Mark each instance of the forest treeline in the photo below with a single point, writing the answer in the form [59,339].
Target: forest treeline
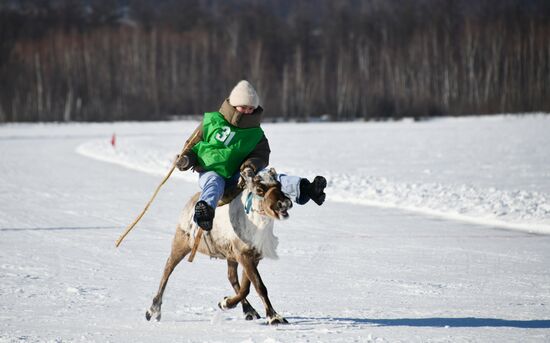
[77,60]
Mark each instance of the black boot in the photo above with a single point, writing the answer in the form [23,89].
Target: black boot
[312,190]
[204,215]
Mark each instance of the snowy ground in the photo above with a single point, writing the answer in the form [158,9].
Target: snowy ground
[432,231]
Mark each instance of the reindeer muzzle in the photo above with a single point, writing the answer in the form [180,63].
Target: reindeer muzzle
[282,208]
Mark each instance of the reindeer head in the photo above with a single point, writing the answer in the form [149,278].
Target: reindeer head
[268,198]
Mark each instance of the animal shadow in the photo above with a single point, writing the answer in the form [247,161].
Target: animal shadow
[465,322]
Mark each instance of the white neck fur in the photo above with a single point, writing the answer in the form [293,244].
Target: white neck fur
[256,229]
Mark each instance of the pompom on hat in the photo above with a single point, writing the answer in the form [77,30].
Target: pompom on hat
[244,95]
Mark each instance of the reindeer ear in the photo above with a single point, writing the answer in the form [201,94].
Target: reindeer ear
[246,180]
[248,175]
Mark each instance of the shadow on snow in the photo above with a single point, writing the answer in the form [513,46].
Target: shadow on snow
[468,322]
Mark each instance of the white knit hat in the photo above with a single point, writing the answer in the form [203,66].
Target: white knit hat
[244,95]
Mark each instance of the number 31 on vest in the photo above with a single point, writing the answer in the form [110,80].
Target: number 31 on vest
[225,136]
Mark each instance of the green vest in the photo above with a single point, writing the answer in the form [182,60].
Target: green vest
[224,147]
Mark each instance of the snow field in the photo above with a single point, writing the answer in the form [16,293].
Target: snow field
[346,273]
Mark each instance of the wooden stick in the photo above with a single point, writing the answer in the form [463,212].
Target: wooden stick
[195,245]
[131,226]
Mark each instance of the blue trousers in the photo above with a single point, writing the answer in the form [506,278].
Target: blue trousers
[213,186]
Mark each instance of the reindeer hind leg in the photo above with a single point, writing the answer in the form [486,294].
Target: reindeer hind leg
[180,248]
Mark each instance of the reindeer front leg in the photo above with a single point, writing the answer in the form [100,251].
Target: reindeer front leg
[231,302]
[250,266]
[249,311]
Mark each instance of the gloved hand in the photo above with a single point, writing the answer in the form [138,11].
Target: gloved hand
[184,162]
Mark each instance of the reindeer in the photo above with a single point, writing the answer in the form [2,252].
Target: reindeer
[242,234]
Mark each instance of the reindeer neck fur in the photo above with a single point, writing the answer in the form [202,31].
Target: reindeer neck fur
[242,231]
[254,227]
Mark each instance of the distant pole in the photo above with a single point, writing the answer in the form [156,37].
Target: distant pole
[113,140]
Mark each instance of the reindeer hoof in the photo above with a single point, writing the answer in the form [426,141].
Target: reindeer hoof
[251,315]
[223,304]
[152,314]
[277,319]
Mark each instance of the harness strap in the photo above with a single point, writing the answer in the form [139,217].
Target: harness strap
[248,203]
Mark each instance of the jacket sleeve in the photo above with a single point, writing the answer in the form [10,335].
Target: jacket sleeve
[258,159]
[195,137]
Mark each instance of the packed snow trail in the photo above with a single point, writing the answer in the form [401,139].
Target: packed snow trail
[346,272]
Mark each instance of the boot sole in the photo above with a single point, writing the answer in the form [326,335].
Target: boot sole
[320,183]
[201,211]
